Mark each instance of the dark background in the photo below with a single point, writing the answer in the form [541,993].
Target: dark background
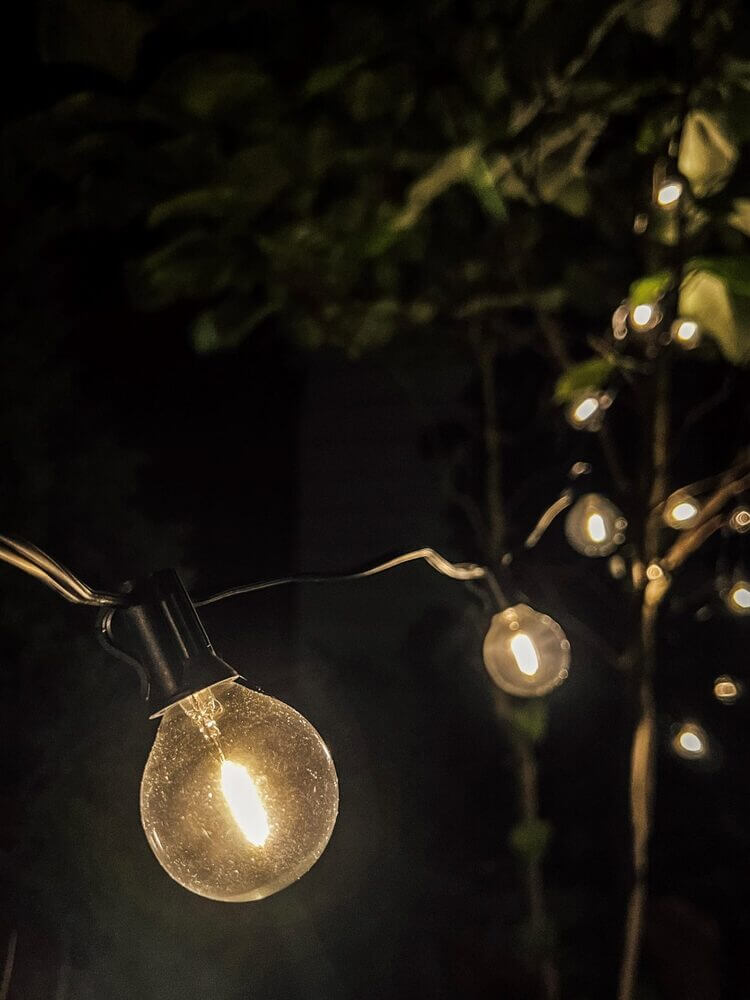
[123,450]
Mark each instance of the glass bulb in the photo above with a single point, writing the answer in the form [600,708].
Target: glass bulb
[586,411]
[669,193]
[739,520]
[526,653]
[645,316]
[681,510]
[738,598]
[239,796]
[687,333]
[726,690]
[594,526]
[690,741]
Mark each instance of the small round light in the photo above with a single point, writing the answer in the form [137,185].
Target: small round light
[654,571]
[526,653]
[669,193]
[594,526]
[738,598]
[645,316]
[586,411]
[690,741]
[681,510]
[686,333]
[739,520]
[727,690]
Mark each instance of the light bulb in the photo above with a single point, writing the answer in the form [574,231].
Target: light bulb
[739,520]
[645,316]
[526,653]
[690,741]
[669,193]
[681,510]
[687,333]
[239,796]
[738,598]
[586,411]
[594,526]
[726,690]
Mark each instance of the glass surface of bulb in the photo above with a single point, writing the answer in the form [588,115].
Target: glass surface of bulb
[645,316]
[690,741]
[586,411]
[686,333]
[726,689]
[526,653]
[669,193]
[239,796]
[738,598]
[594,526]
[681,510]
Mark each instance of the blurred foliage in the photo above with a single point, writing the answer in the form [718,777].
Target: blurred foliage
[435,166]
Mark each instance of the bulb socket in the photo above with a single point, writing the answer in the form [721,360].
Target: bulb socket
[161,630]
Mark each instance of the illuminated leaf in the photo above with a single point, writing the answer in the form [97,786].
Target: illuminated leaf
[707,154]
[650,289]
[706,297]
[590,374]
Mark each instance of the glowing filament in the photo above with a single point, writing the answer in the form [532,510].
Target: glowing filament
[244,803]
[596,528]
[524,654]
[669,193]
[684,511]
[585,409]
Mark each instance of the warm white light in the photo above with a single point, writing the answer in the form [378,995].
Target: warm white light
[669,193]
[738,598]
[681,510]
[525,654]
[586,409]
[244,802]
[690,741]
[594,526]
[726,690]
[686,331]
[643,316]
[739,520]
[239,796]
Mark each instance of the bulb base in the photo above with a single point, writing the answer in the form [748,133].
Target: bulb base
[160,630]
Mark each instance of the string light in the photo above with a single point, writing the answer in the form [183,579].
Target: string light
[727,690]
[738,598]
[594,526]
[669,193]
[739,520]
[586,411]
[645,316]
[690,741]
[525,652]
[686,333]
[681,510]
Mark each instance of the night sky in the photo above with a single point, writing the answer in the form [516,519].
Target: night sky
[125,450]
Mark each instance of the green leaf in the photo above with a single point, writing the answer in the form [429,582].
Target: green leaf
[223,328]
[590,374]
[650,289]
[653,17]
[725,316]
[734,271]
[530,719]
[328,77]
[708,154]
[531,838]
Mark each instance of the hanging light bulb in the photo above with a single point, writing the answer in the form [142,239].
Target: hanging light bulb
[586,411]
[690,741]
[620,321]
[239,795]
[739,520]
[526,653]
[686,333]
[681,510]
[727,690]
[645,316]
[669,192]
[738,598]
[594,526]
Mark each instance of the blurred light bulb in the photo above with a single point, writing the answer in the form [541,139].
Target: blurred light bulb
[526,653]
[586,410]
[594,526]
[644,316]
[726,690]
[739,520]
[669,193]
[690,741]
[239,796]
[681,510]
[620,321]
[687,333]
[738,598]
